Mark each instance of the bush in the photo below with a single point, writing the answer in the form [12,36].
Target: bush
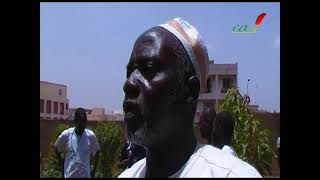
[109,136]
[53,168]
[251,139]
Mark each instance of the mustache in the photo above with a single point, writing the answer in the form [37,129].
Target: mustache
[131,106]
[134,106]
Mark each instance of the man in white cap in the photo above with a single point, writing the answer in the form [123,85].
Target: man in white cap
[166,72]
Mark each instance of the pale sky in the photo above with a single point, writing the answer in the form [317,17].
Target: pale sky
[86,46]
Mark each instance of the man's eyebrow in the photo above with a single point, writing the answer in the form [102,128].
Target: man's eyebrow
[145,61]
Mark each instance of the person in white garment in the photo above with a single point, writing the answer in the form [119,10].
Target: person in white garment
[167,70]
[278,147]
[223,129]
[78,145]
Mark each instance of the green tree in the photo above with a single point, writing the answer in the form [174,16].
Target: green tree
[251,139]
[109,136]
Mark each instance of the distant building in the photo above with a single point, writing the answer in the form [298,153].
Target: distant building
[114,116]
[221,77]
[97,114]
[54,103]
[253,108]
[71,114]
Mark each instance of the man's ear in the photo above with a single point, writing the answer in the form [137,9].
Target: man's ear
[193,85]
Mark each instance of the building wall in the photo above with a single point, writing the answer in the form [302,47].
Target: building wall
[222,69]
[54,93]
[216,74]
[97,114]
[114,117]
[71,114]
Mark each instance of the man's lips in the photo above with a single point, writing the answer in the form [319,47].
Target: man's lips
[131,110]
[129,116]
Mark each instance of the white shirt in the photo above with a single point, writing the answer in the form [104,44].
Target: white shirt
[206,161]
[77,151]
[229,150]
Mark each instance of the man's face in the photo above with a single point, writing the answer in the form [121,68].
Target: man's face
[80,121]
[151,90]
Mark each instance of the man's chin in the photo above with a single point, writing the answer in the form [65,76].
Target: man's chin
[138,137]
[147,138]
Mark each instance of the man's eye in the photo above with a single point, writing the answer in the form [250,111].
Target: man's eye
[148,72]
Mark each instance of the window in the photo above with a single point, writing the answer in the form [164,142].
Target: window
[61,108]
[208,85]
[41,105]
[48,110]
[55,107]
[60,91]
[226,84]
[67,107]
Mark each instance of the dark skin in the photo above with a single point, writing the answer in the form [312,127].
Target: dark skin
[158,115]
[206,124]
[221,136]
[80,122]
[219,139]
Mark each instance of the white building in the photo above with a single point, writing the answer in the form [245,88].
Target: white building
[221,77]
[54,103]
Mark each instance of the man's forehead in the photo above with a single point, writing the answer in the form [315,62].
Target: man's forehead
[147,45]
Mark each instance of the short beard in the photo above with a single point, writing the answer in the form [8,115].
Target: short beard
[147,134]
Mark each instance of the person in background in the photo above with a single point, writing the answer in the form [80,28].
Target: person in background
[223,129]
[278,147]
[206,120]
[78,145]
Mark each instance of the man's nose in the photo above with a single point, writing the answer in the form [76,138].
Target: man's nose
[131,86]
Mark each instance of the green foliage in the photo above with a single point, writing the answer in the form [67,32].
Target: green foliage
[109,136]
[49,173]
[251,139]
[53,168]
